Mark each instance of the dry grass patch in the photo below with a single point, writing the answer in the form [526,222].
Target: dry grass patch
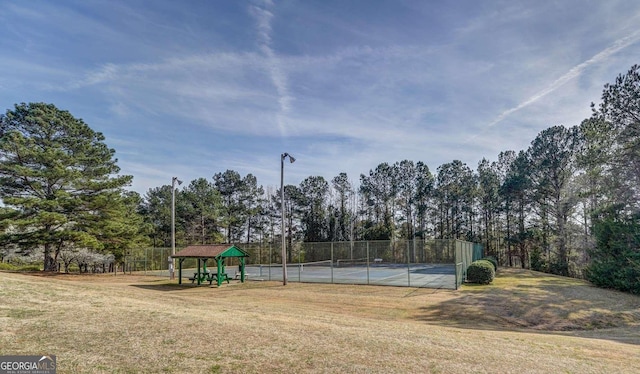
[126,324]
[539,301]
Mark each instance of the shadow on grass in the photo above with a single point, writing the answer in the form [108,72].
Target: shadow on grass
[42,273]
[234,286]
[170,286]
[536,302]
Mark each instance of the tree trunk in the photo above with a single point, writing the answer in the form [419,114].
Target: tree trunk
[509,254]
[522,242]
[202,228]
[249,230]
[49,262]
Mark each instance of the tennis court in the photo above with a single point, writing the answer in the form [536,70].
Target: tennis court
[349,272]
[438,263]
[407,263]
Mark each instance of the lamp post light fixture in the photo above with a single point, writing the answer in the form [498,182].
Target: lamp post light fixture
[284,244]
[172,264]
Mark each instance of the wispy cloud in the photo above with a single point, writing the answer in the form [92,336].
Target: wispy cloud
[107,73]
[573,73]
[263,16]
[342,86]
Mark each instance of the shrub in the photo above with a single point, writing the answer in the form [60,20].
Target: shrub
[493,262]
[480,271]
[12,267]
[615,261]
[29,268]
[6,266]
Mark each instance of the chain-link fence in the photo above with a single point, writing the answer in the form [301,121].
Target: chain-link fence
[412,263]
[152,261]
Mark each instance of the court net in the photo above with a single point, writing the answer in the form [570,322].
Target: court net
[352,262]
[295,265]
[346,262]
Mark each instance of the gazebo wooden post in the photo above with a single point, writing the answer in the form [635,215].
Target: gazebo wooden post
[180,270]
[242,269]
[219,264]
[198,274]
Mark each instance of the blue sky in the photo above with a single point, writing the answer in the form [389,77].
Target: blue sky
[193,88]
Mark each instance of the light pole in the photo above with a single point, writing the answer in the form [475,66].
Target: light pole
[172,265]
[284,244]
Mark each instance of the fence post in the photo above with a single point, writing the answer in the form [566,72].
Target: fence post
[331,262]
[367,262]
[270,259]
[299,266]
[408,264]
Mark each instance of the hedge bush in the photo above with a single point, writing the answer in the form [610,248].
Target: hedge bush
[480,271]
[493,261]
[29,268]
[6,266]
[12,267]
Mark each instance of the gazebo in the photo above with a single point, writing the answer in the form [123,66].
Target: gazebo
[219,253]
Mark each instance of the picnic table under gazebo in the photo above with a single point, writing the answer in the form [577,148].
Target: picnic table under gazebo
[217,252]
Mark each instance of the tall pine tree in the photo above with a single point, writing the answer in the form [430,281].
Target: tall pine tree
[59,177]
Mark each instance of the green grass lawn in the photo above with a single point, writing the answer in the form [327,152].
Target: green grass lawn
[525,322]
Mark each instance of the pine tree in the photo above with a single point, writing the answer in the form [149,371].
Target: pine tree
[59,177]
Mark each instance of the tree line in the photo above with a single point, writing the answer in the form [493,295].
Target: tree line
[568,204]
